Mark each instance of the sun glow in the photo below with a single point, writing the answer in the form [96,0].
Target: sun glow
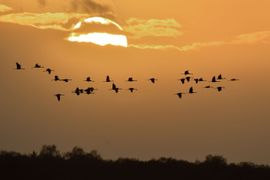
[99,38]
[99,20]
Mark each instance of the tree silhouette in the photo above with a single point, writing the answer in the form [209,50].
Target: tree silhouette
[49,151]
[49,163]
[215,161]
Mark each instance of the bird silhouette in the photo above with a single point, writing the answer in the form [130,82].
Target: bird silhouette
[220,77]
[187,73]
[78,91]
[130,79]
[49,71]
[183,80]
[188,78]
[180,95]
[220,88]
[153,80]
[88,79]
[234,79]
[208,87]
[19,66]
[90,90]
[58,96]
[191,91]
[116,90]
[56,78]
[114,86]
[108,79]
[132,90]
[38,66]
[214,80]
[201,80]
[197,80]
[66,80]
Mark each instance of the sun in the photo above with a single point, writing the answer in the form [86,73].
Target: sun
[86,31]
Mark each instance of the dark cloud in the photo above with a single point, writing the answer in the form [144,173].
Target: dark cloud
[90,6]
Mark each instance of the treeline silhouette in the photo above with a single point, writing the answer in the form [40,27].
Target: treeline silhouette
[77,164]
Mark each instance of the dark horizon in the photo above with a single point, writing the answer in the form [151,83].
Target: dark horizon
[50,163]
[53,151]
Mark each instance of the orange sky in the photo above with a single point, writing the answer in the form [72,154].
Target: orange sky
[165,38]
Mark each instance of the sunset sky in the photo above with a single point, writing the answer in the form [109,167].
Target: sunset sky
[145,39]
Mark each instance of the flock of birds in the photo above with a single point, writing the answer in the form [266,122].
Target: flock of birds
[188,77]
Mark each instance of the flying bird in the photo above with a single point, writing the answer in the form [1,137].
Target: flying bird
[220,88]
[56,78]
[234,79]
[78,91]
[58,96]
[214,80]
[108,79]
[130,79]
[66,80]
[180,95]
[90,90]
[191,91]
[132,90]
[153,80]
[197,80]
[220,77]
[38,66]
[188,78]
[208,87]
[88,79]
[49,71]
[201,80]
[116,90]
[187,73]
[19,66]
[183,80]
[114,86]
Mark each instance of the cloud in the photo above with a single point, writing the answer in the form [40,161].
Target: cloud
[188,47]
[58,21]
[251,38]
[154,47]
[199,45]
[139,28]
[4,8]
[90,6]
[76,11]
[261,37]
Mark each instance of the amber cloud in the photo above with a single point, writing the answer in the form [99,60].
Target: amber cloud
[261,37]
[251,38]
[4,8]
[139,28]
[58,21]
